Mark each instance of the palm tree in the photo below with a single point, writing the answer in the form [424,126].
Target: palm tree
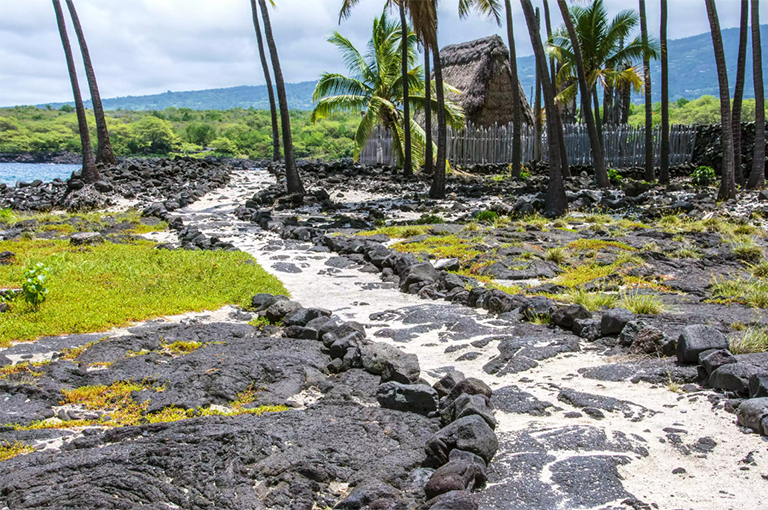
[429,157]
[664,166]
[292,178]
[556,203]
[650,174]
[728,186]
[738,94]
[757,175]
[104,153]
[376,87]
[558,117]
[597,150]
[517,116]
[90,173]
[268,79]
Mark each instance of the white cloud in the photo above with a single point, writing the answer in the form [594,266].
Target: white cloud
[150,46]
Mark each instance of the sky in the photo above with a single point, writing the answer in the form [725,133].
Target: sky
[143,47]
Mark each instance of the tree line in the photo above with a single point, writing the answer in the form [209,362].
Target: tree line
[570,61]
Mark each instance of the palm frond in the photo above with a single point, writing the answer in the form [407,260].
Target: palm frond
[333,84]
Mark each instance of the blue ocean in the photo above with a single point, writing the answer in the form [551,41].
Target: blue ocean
[10,173]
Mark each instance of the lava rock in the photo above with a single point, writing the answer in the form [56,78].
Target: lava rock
[415,398]
[390,363]
[613,321]
[86,239]
[753,413]
[696,339]
[564,316]
[445,385]
[713,359]
[471,434]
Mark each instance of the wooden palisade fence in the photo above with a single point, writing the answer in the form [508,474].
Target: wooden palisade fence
[623,146]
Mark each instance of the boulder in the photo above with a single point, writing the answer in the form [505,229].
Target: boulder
[423,273]
[753,413]
[696,339]
[390,363]
[649,341]
[588,329]
[732,377]
[468,405]
[758,385]
[454,500]
[449,381]
[613,321]
[537,306]
[305,315]
[565,315]
[713,359]
[86,239]
[471,434]
[370,494]
[414,398]
[261,302]
[465,471]
[448,264]
[281,309]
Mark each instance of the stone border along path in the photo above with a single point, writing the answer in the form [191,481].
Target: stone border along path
[565,441]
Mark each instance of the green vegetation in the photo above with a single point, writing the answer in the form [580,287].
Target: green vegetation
[487,216]
[235,132]
[557,255]
[614,175]
[109,285]
[753,340]
[34,289]
[746,249]
[443,247]
[399,231]
[597,244]
[703,176]
[751,292]
[704,110]
[642,304]
[11,450]
[593,301]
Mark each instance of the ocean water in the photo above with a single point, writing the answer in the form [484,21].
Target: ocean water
[28,172]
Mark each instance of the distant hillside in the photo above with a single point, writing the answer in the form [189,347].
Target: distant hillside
[692,74]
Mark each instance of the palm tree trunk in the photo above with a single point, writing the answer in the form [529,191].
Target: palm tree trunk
[517,115]
[598,123]
[537,118]
[650,174]
[664,164]
[597,151]
[558,115]
[556,203]
[429,164]
[757,175]
[626,101]
[407,158]
[104,153]
[728,186]
[291,172]
[438,182]
[90,173]
[268,79]
[738,95]
[608,104]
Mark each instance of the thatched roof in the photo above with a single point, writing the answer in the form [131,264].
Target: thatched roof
[480,70]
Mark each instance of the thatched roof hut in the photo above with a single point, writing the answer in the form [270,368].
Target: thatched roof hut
[480,70]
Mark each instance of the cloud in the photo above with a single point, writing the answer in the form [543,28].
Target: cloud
[150,46]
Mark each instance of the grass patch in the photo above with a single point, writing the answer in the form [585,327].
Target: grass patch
[92,221]
[444,247]
[685,253]
[587,272]
[11,450]
[534,220]
[642,304]
[597,244]
[746,249]
[593,301]
[753,340]
[181,348]
[598,219]
[742,290]
[19,368]
[556,255]
[399,231]
[509,289]
[111,285]
[759,270]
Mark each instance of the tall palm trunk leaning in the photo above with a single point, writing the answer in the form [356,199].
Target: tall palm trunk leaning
[268,79]
[757,174]
[438,182]
[517,116]
[291,172]
[738,94]
[407,160]
[650,174]
[728,186]
[429,157]
[90,173]
[537,117]
[558,115]
[104,153]
[597,150]
[664,165]
[556,203]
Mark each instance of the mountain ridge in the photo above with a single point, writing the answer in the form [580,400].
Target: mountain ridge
[690,56]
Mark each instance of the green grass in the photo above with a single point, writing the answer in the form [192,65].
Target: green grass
[399,231]
[7,215]
[753,340]
[746,249]
[110,285]
[759,270]
[597,244]
[444,247]
[556,255]
[642,304]
[65,223]
[685,253]
[587,272]
[751,292]
[11,450]
[593,301]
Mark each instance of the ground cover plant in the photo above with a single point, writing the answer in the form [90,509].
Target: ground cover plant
[99,287]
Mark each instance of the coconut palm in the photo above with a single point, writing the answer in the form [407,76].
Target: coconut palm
[558,117]
[738,94]
[650,174]
[556,201]
[517,116]
[664,166]
[757,174]
[268,79]
[728,185]
[376,87]
[104,153]
[597,150]
[90,173]
[293,181]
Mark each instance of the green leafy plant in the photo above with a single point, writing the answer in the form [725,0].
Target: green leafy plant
[524,174]
[487,216]
[703,176]
[614,175]
[34,287]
